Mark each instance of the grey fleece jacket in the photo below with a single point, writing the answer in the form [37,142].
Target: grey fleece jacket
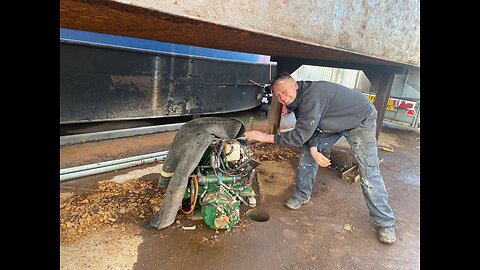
[326,107]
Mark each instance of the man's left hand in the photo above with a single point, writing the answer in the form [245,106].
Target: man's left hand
[319,157]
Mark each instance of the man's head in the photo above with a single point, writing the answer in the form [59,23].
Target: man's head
[284,88]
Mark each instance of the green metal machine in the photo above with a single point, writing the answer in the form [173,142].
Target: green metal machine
[221,183]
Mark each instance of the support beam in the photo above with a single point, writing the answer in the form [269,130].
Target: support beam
[382,84]
[275,110]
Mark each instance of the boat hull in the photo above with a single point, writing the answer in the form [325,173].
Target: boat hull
[104,83]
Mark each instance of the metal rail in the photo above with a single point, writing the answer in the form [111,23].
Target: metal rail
[107,166]
[114,134]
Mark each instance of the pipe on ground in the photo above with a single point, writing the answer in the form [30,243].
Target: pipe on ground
[108,166]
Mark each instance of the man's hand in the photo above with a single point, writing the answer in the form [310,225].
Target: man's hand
[259,136]
[319,157]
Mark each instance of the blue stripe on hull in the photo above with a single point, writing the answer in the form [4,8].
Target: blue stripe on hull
[138,43]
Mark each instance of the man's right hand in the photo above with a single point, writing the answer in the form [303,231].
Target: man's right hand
[259,136]
[319,157]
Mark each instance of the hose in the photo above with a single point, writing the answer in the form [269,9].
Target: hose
[194,198]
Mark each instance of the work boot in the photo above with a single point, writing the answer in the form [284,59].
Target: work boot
[294,203]
[386,234]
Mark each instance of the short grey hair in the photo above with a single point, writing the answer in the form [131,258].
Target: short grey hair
[278,77]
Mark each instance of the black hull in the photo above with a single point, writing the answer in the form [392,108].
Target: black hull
[103,83]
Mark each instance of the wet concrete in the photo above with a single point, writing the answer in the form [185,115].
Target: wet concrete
[333,231]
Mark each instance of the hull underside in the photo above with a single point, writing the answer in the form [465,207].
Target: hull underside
[99,83]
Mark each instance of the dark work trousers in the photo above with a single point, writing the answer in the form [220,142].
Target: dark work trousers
[364,146]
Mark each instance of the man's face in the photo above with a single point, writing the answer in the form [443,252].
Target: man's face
[285,90]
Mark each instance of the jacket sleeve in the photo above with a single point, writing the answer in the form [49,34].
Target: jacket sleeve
[309,115]
[313,141]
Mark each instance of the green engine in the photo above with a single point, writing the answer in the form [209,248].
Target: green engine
[221,183]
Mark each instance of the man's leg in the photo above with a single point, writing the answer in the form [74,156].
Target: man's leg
[307,170]
[364,146]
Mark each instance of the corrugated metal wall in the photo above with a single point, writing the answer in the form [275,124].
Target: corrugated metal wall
[312,73]
[405,86]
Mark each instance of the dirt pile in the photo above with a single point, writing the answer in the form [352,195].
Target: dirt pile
[276,173]
[273,152]
[114,204]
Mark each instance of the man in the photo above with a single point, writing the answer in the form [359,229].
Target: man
[325,112]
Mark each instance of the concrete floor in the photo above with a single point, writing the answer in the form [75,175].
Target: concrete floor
[333,231]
